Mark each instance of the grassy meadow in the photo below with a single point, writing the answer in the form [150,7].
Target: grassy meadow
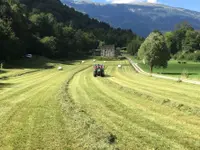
[189,70]
[43,108]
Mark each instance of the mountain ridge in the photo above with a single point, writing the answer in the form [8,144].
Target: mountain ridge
[142,18]
[132,3]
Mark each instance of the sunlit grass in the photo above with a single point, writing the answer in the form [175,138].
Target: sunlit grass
[175,69]
[70,109]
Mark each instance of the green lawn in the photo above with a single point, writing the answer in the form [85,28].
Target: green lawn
[174,69]
[72,110]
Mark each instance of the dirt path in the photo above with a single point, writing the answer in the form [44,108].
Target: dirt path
[138,69]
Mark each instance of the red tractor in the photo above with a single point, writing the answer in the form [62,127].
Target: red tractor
[98,70]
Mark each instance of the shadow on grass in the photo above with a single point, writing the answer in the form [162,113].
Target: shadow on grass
[4,78]
[39,62]
[33,63]
[2,71]
[116,65]
[5,85]
[107,76]
[177,73]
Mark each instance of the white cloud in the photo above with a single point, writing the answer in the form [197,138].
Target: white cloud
[130,1]
[124,1]
[152,1]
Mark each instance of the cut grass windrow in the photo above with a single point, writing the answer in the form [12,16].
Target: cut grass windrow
[71,109]
[132,106]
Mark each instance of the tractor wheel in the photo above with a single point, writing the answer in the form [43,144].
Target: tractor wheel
[95,75]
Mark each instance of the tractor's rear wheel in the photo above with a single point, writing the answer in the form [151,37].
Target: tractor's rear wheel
[102,74]
[95,75]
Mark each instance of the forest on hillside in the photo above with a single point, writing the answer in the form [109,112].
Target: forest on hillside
[51,29]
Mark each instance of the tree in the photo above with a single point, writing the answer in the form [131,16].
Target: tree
[134,46]
[154,51]
[171,42]
[50,45]
[180,34]
[43,23]
[184,26]
[183,41]
[8,41]
[191,41]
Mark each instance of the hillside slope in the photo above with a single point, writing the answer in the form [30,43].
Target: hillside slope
[50,29]
[142,18]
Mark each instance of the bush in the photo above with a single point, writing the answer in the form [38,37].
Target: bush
[197,55]
[188,56]
[185,74]
[110,58]
[177,55]
[121,57]
[179,80]
[193,56]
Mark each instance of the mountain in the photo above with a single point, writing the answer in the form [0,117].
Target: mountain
[142,18]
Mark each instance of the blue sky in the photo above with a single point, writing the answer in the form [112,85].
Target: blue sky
[188,4]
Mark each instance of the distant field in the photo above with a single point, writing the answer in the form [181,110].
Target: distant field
[174,69]
[71,110]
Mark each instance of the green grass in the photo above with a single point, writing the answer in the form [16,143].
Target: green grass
[174,69]
[70,109]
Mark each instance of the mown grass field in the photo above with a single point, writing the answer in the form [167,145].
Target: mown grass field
[70,109]
[174,69]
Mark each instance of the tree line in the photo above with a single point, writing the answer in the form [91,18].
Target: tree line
[51,29]
[182,44]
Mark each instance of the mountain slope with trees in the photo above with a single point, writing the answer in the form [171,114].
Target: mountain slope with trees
[48,28]
[142,18]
